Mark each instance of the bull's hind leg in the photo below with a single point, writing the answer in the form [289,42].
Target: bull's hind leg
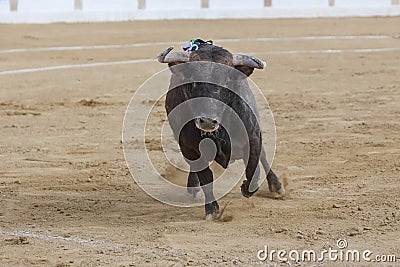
[193,185]
[273,183]
[206,181]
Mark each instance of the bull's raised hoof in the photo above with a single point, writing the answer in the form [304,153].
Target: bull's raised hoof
[195,193]
[193,187]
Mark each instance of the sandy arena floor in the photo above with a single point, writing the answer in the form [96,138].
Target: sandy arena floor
[337,117]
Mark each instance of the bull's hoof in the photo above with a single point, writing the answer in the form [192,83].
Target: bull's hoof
[209,217]
[195,193]
[245,190]
[198,195]
[215,216]
[281,191]
[276,188]
[212,211]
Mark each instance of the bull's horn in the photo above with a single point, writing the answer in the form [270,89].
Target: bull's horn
[245,60]
[166,57]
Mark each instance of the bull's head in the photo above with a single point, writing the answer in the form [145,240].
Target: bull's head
[208,120]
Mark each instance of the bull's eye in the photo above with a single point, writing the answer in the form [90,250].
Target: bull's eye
[215,121]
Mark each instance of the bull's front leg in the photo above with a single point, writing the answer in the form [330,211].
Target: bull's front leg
[193,185]
[211,205]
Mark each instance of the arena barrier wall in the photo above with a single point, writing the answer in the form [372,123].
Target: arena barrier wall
[49,11]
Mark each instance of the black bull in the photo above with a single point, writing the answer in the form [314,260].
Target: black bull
[209,82]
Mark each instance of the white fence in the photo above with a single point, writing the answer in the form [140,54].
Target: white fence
[47,11]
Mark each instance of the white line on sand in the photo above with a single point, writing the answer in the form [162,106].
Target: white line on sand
[76,66]
[328,51]
[262,39]
[135,61]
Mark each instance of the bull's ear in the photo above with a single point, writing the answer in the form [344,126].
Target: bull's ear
[180,69]
[172,67]
[245,69]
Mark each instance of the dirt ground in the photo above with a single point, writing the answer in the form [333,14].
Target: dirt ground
[66,195]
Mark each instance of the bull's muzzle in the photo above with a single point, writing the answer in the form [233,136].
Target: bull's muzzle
[207,124]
